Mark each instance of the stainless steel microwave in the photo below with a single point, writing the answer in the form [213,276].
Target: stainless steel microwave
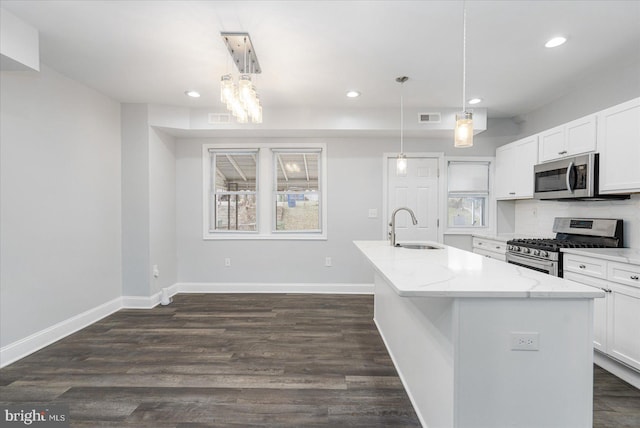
[569,178]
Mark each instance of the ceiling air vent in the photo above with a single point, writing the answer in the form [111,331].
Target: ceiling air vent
[215,118]
[429,117]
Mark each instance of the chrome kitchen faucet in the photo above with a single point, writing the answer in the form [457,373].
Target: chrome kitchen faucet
[392,233]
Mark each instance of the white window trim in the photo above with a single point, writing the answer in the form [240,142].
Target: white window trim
[491,201]
[265,193]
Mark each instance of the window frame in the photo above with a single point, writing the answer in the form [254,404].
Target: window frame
[489,213]
[212,196]
[276,192]
[265,191]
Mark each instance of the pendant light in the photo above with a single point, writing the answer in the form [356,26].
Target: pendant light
[241,99]
[401,161]
[463,134]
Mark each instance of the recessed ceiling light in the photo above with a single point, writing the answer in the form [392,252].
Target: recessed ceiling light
[192,94]
[353,94]
[555,42]
[475,100]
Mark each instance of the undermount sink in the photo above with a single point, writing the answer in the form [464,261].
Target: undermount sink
[418,246]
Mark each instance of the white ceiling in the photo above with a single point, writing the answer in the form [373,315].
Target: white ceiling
[312,52]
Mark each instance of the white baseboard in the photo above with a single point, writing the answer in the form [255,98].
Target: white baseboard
[252,287]
[620,370]
[141,302]
[30,344]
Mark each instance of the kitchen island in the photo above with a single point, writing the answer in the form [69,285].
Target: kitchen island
[481,343]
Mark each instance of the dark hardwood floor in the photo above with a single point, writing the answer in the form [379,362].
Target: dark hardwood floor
[224,360]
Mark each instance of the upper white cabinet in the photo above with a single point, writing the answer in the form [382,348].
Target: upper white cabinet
[570,139]
[619,148]
[514,169]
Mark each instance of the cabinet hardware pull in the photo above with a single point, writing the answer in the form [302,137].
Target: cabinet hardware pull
[607,290]
[498,247]
[512,193]
[564,152]
[634,277]
[582,267]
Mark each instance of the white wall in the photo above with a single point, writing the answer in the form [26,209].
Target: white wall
[149,207]
[136,275]
[60,223]
[162,209]
[616,84]
[354,186]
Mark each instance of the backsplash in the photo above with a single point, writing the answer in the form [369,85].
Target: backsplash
[535,218]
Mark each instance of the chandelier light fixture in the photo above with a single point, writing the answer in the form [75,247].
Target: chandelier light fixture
[463,134]
[241,98]
[401,161]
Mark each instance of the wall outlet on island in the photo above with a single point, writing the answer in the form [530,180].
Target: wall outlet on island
[524,341]
[328,262]
[227,262]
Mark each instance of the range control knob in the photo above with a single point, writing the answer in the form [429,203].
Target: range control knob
[536,252]
[526,250]
[544,254]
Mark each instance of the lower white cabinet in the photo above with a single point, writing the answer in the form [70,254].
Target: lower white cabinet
[623,335]
[600,308]
[492,248]
[617,316]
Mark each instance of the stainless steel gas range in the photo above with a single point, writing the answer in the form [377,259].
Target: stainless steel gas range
[544,254]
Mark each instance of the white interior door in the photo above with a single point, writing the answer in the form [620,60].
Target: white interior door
[417,191]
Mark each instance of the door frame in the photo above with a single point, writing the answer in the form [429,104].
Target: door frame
[439,156]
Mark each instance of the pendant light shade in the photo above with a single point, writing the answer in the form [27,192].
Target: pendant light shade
[401,165]
[463,134]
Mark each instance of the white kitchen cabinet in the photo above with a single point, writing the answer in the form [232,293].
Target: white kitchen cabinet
[599,308]
[514,169]
[619,148]
[492,248]
[570,139]
[624,324]
[617,316]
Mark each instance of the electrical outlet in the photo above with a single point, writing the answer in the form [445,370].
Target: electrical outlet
[227,262]
[328,262]
[524,341]
[156,271]
[373,213]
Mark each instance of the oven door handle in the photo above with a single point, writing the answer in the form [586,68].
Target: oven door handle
[568,175]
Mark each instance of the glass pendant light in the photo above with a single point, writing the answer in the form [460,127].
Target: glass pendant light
[401,161]
[242,99]
[463,134]
[464,130]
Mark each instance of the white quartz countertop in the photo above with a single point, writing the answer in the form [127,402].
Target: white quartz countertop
[622,255]
[451,272]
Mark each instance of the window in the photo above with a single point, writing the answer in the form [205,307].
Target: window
[297,191]
[468,194]
[234,191]
[264,192]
